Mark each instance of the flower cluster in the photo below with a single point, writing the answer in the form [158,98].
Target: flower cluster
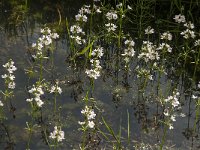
[88,112]
[111,16]
[55,89]
[110,27]
[77,34]
[57,134]
[45,40]
[166,36]
[171,103]
[149,52]
[81,16]
[97,9]
[9,77]
[37,91]
[94,72]
[129,50]
[165,47]
[188,33]
[141,72]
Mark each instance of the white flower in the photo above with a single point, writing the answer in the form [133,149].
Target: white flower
[194,97]
[85,9]
[91,124]
[54,35]
[197,42]
[119,5]
[182,115]
[166,36]
[173,118]
[179,18]
[188,34]
[1,104]
[97,9]
[39,102]
[93,73]
[149,30]
[81,17]
[29,99]
[81,122]
[165,46]
[34,45]
[166,112]
[91,115]
[98,52]
[56,89]
[198,85]
[189,25]
[9,78]
[129,42]
[175,102]
[110,27]
[11,85]
[4,76]
[57,134]
[129,7]
[171,126]
[112,15]
[149,52]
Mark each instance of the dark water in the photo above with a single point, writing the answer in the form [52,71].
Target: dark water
[115,92]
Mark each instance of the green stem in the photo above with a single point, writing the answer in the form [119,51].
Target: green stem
[163,138]
[41,73]
[196,64]
[55,104]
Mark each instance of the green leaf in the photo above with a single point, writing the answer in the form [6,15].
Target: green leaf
[86,48]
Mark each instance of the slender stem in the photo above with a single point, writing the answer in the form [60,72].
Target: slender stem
[164,136]
[41,74]
[55,103]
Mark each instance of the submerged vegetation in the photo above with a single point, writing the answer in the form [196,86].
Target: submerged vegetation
[100,74]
